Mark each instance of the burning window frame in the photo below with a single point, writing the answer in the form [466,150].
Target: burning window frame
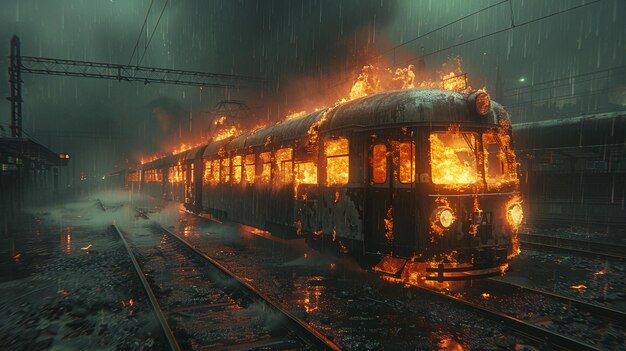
[249,168]
[379,161]
[343,177]
[264,170]
[283,166]
[506,155]
[458,186]
[237,169]
[399,161]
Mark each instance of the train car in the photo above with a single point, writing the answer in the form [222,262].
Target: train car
[175,178]
[425,179]
[574,170]
[423,175]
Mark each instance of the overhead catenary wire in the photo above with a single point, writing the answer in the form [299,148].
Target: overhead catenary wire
[153,31]
[532,85]
[140,32]
[513,26]
[444,26]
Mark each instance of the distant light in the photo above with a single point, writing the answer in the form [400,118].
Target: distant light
[522,79]
[103,177]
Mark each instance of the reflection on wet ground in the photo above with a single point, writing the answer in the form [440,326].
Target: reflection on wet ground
[355,307]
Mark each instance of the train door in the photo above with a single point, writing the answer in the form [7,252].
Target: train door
[189,183]
[403,195]
[379,219]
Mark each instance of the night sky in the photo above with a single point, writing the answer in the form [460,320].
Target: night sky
[308,52]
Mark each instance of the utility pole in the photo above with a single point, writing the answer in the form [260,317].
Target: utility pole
[15,81]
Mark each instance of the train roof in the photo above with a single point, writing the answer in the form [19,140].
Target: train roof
[594,129]
[387,109]
[410,106]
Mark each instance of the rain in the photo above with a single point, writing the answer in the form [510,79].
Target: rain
[371,174]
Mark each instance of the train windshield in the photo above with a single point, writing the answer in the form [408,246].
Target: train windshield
[500,161]
[453,158]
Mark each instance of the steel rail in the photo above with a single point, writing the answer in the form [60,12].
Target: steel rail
[583,247]
[303,329]
[519,326]
[615,315]
[167,330]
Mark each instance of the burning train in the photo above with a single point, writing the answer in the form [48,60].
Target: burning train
[414,176]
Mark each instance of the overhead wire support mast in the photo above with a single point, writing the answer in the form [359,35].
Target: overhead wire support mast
[129,73]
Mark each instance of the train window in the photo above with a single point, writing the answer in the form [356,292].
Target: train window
[499,159]
[284,163]
[237,169]
[379,163]
[406,160]
[266,167]
[225,173]
[453,158]
[250,168]
[337,161]
[206,177]
[153,176]
[170,174]
[306,172]
[215,172]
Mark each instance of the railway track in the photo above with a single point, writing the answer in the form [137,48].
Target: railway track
[540,335]
[609,314]
[570,245]
[203,305]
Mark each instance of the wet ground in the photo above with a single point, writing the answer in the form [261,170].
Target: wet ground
[356,308]
[66,284]
[59,292]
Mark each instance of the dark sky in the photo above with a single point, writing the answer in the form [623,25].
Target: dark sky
[304,49]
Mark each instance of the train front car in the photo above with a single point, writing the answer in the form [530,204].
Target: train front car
[443,199]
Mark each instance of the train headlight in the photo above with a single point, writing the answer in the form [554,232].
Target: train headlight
[445,217]
[515,215]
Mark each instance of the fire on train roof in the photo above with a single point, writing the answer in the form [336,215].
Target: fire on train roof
[383,110]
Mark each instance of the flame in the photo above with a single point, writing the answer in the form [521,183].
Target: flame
[515,246]
[86,247]
[184,147]
[314,131]
[579,287]
[337,161]
[237,169]
[389,225]
[405,160]
[379,163]
[226,133]
[453,159]
[500,161]
[220,120]
[250,168]
[485,296]
[153,175]
[284,161]
[475,209]
[266,170]
[176,173]
[131,302]
[305,173]
[293,115]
